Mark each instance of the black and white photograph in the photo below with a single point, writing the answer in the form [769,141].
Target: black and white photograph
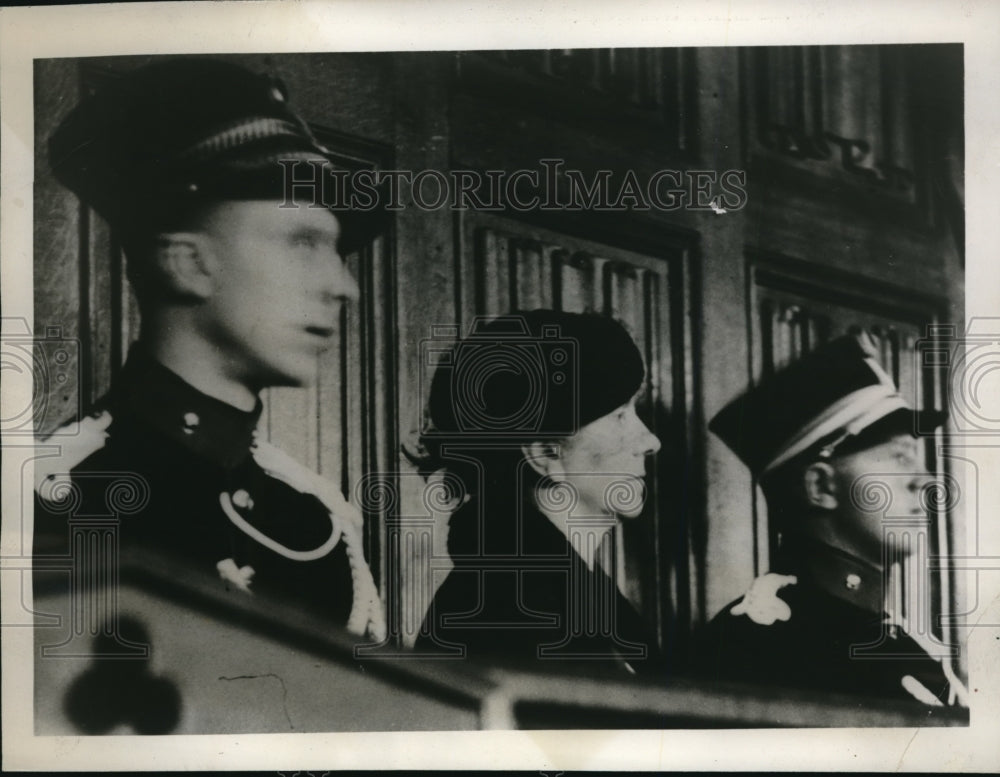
[624,389]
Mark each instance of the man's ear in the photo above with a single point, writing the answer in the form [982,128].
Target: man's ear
[820,486]
[543,457]
[182,263]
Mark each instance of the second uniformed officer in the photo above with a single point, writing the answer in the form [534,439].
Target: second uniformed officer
[237,292]
[814,434]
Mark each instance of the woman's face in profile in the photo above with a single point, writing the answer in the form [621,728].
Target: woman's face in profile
[605,463]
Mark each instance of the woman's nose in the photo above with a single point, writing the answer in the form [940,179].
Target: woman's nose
[650,440]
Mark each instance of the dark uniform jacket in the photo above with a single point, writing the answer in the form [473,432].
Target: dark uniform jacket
[165,467]
[536,608]
[826,631]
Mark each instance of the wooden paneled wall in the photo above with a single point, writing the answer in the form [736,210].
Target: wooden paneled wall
[852,220]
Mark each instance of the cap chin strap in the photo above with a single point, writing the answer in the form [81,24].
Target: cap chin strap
[879,411]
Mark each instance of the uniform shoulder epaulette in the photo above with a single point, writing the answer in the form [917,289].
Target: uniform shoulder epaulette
[366,615]
[76,441]
[761,602]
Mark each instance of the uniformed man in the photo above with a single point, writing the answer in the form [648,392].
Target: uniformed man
[825,437]
[239,289]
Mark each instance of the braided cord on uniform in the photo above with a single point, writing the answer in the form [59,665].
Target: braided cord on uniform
[295,555]
[367,616]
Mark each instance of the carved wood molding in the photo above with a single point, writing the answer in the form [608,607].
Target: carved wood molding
[653,87]
[844,108]
[866,127]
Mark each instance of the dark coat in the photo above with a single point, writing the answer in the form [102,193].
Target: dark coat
[159,473]
[836,638]
[537,608]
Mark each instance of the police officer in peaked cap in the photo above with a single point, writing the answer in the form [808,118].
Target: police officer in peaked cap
[239,290]
[818,436]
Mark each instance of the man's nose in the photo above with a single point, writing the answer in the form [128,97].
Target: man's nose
[339,284]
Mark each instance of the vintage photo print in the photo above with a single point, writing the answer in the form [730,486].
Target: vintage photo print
[417,390]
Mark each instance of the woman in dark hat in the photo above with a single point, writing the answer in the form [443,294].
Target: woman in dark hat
[534,431]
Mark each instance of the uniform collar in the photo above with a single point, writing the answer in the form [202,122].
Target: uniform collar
[835,572]
[163,400]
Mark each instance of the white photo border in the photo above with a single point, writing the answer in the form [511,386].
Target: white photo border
[27,34]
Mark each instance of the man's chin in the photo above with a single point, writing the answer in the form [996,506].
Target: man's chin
[290,378]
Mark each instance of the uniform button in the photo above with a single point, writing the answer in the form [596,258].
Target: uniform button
[191,420]
[241,499]
[853,582]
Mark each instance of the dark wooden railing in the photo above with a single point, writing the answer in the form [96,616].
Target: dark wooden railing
[225,662]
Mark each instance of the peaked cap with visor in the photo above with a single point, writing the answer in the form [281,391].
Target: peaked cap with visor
[823,402]
[186,131]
